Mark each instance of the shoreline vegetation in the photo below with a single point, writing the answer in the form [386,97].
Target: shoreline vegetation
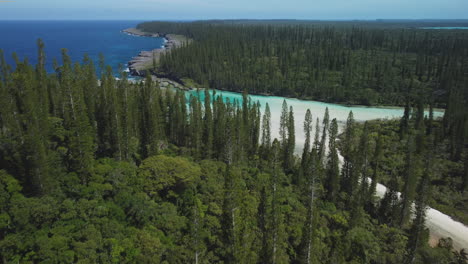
[381,66]
[146,60]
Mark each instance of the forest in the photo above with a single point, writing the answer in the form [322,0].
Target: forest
[99,170]
[379,63]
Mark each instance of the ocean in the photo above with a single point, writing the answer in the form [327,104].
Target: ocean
[78,37]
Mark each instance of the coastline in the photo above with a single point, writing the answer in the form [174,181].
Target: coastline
[138,33]
[145,60]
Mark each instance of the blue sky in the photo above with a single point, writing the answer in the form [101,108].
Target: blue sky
[208,9]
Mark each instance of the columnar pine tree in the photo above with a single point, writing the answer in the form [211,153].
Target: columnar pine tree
[150,118]
[316,145]
[410,182]
[266,130]
[208,126]
[229,219]
[363,162]
[91,93]
[277,247]
[291,142]
[263,207]
[284,124]
[404,122]
[348,153]
[333,171]
[325,127]
[220,128]
[417,227]
[196,213]
[359,182]
[229,139]
[307,133]
[254,128]
[311,169]
[32,125]
[41,77]
[80,138]
[196,127]
[375,164]
[125,97]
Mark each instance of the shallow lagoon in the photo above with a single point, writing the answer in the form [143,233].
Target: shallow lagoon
[340,112]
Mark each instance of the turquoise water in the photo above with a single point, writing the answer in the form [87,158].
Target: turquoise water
[340,112]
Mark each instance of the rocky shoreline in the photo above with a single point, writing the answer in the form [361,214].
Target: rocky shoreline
[146,59]
[139,33]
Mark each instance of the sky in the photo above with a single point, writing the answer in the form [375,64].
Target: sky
[231,9]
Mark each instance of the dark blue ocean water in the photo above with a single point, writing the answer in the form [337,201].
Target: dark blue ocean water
[79,37]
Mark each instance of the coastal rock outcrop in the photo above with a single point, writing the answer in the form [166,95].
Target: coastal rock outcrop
[146,59]
[139,33]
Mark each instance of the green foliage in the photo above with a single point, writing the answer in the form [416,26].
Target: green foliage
[111,171]
[353,62]
[447,175]
[165,176]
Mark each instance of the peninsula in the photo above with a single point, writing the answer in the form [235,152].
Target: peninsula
[147,59]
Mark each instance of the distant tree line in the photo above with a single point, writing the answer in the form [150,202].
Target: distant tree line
[370,64]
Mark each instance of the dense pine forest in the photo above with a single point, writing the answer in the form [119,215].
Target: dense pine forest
[353,63]
[99,170]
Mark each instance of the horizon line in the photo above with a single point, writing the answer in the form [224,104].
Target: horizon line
[253,19]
